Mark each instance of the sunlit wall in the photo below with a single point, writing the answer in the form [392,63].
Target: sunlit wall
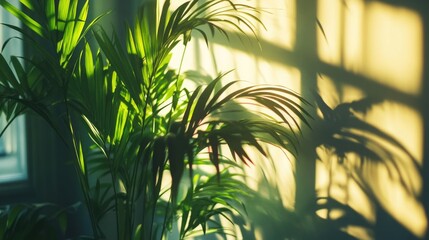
[362,49]
[381,46]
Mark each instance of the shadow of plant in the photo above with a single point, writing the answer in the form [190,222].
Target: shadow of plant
[357,146]
[361,149]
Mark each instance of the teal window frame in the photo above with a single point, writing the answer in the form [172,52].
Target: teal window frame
[13,148]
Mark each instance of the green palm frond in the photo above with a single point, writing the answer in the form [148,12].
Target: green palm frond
[54,34]
[29,21]
[152,39]
[59,25]
[274,126]
[281,102]
[23,89]
[210,198]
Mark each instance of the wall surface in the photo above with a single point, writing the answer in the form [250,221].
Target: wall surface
[347,51]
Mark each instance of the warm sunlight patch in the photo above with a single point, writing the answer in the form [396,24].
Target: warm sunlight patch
[394,47]
[328,34]
[279,18]
[403,123]
[334,93]
[274,73]
[403,207]
[380,41]
[353,30]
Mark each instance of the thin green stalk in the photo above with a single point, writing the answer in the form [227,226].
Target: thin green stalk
[165,217]
[180,65]
[142,132]
[144,123]
[176,95]
[115,192]
[132,193]
[134,179]
[155,199]
[115,181]
[177,92]
[129,205]
[10,121]
[144,185]
[83,178]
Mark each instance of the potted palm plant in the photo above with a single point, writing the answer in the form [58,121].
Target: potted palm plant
[138,136]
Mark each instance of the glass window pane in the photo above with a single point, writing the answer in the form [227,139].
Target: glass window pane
[13,159]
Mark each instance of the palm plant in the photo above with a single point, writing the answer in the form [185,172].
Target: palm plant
[130,122]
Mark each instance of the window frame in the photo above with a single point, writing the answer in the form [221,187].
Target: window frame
[14,164]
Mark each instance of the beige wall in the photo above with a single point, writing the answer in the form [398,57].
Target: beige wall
[365,49]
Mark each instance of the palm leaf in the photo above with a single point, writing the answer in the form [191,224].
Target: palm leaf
[24,18]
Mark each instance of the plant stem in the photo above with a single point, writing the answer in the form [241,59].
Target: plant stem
[177,92]
[83,177]
[167,209]
[115,192]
